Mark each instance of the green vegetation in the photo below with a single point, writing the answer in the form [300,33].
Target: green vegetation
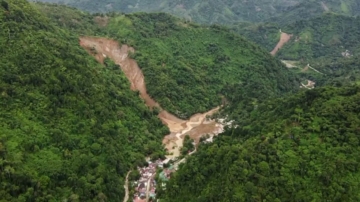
[337,73]
[307,9]
[301,148]
[72,19]
[224,12]
[70,128]
[329,43]
[266,35]
[188,145]
[188,67]
[316,40]
[323,37]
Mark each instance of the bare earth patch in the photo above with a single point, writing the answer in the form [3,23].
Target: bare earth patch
[310,85]
[284,38]
[289,63]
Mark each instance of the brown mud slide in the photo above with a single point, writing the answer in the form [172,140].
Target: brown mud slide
[196,126]
[284,38]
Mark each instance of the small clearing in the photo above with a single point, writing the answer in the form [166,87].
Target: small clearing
[284,38]
[309,85]
[289,63]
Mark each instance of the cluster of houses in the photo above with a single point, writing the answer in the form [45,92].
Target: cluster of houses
[145,187]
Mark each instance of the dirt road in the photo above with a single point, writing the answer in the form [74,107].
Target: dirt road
[284,38]
[126,187]
[196,126]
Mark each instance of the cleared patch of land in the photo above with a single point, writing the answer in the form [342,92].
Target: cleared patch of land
[284,38]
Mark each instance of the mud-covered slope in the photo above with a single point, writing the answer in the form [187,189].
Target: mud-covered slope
[70,128]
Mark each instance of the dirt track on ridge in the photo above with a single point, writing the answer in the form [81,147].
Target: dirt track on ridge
[284,38]
[126,187]
[196,126]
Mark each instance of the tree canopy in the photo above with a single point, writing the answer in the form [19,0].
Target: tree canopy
[70,128]
[223,12]
[301,148]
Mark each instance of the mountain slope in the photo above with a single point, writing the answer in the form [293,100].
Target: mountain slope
[187,67]
[301,148]
[224,12]
[70,128]
[325,37]
[308,9]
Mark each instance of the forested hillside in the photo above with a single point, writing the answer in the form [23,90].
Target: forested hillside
[70,128]
[188,67]
[323,38]
[319,40]
[308,9]
[327,36]
[266,35]
[340,72]
[301,148]
[224,12]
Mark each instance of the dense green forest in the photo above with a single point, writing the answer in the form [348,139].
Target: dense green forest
[188,67]
[327,36]
[308,9]
[266,35]
[70,128]
[72,19]
[338,72]
[329,43]
[324,37]
[224,12]
[301,148]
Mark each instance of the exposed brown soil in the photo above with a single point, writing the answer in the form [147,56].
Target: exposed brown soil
[284,38]
[196,126]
